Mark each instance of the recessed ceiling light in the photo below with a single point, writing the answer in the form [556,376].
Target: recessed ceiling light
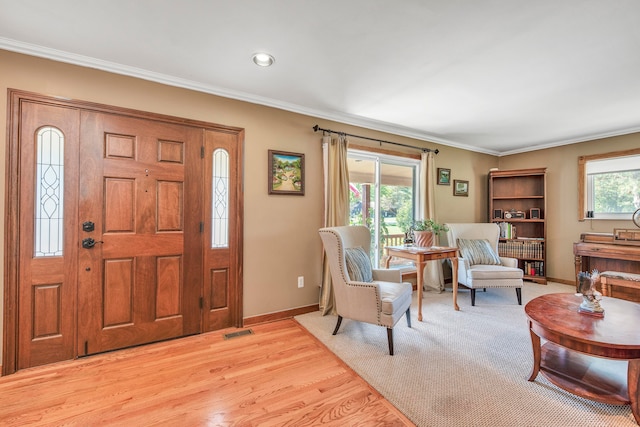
[263,59]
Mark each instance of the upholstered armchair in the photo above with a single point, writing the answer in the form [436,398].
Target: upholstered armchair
[479,265]
[361,292]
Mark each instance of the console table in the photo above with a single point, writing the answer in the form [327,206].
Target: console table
[597,358]
[420,256]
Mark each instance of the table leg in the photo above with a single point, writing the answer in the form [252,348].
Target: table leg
[537,353]
[633,386]
[454,279]
[419,284]
[386,261]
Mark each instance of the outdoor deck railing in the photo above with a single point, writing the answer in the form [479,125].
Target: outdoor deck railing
[398,240]
[393,239]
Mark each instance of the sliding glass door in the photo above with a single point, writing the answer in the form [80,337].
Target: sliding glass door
[383,196]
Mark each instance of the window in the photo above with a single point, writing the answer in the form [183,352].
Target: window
[611,185]
[49,192]
[220,200]
[383,196]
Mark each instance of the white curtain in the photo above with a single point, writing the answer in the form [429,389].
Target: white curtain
[433,277]
[336,204]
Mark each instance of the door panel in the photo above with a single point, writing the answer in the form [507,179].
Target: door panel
[132,286]
[47,280]
[222,296]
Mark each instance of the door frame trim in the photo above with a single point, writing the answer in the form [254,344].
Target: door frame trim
[15,97]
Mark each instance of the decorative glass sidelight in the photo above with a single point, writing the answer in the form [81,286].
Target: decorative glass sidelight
[49,193]
[220,199]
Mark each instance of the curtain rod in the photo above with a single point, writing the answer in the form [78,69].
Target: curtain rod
[316,128]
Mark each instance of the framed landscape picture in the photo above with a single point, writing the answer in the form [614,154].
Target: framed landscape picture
[460,188]
[286,173]
[444,176]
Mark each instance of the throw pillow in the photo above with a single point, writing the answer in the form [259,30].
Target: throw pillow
[358,265]
[478,251]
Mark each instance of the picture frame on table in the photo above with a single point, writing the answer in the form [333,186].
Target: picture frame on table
[286,173]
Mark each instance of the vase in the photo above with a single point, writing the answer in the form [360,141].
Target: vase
[423,239]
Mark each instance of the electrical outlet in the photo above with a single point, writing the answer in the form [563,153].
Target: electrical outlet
[301,281]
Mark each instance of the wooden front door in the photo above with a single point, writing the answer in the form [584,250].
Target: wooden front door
[139,212]
[108,243]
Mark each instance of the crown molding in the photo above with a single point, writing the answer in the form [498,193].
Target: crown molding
[112,67]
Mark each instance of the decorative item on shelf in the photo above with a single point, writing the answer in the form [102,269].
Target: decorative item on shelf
[586,287]
[534,213]
[424,232]
[497,214]
[514,214]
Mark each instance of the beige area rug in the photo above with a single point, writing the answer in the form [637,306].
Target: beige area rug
[465,368]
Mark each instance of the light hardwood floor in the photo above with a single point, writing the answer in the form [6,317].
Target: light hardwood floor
[278,376]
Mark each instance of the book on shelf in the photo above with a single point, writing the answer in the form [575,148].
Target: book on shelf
[533,268]
[524,249]
[507,230]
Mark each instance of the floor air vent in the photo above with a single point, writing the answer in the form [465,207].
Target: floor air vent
[238,334]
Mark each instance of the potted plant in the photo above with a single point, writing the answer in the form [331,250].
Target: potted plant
[425,230]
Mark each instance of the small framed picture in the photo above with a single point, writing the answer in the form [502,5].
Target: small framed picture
[286,173]
[460,188]
[444,176]
[497,214]
[534,213]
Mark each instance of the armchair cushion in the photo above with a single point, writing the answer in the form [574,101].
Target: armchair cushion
[387,275]
[478,251]
[358,265]
[394,297]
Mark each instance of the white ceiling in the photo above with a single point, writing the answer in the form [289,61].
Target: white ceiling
[498,77]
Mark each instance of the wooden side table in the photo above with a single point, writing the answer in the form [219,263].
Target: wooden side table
[597,358]
[420,256]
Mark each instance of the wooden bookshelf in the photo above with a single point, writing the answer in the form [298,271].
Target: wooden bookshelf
[518,204]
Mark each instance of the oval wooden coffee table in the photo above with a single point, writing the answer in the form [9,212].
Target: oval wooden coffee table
[597,358]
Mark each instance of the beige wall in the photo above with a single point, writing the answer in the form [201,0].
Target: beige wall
[270,275]
[281,240]
[563,227]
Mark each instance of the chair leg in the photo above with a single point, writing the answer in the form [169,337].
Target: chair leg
[390,339]
[335,331]
[473,297]
[409,317]
[519,294]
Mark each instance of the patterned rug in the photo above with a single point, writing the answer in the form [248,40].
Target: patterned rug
[465,368]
